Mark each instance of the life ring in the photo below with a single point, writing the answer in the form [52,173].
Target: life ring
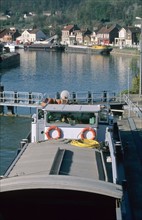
[88,129]
[48,135]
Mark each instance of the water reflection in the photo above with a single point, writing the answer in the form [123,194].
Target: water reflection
[43,71]
[28,63]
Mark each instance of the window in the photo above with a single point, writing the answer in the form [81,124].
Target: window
[71,117]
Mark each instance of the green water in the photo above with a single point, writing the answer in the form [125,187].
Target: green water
[12,131]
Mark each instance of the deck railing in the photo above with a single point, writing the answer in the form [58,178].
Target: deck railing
[28,98]
[132,106]
[21,98]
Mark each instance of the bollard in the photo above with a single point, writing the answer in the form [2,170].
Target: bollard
[10,110]
[25,140]
[22,143]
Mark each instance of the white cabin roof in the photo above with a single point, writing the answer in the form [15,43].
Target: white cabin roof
[71,108]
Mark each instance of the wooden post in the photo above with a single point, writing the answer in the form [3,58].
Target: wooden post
[30,98]
[15,97]
[89,97]
[104,96]
[74,96]
[1,99]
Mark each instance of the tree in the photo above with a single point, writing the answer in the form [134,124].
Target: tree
[135,84]
[83,12]
[136,79]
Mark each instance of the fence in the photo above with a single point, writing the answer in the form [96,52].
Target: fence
[20,98]
[132,106]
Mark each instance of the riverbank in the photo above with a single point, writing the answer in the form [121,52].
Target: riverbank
[126,51]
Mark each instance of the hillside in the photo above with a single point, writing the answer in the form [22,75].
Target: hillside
[56,13]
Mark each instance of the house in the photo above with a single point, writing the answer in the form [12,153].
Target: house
[72,34]
[128,36]
[86,36]
[30,36]
[120,40]
[9,35]
[106,35]
[133,35]
[69,34]
[94,39]
[79,37]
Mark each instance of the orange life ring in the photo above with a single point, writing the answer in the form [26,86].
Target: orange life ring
[88,129]
[48,135]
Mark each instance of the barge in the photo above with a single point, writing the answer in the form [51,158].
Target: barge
[69,167]
[47,46]
[8,59]
[96,49]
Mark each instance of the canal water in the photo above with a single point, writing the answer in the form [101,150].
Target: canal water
[48,72]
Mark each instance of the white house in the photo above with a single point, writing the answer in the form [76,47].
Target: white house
[121,40]
[128,36]
[94,39]
[30,36]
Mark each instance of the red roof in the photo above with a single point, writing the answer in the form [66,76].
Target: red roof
[68,27]
[71,27]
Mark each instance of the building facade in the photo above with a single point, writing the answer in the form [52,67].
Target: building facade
[30,36]
[128,37]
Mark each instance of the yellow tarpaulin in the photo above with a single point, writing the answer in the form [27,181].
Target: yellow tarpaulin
[85,143]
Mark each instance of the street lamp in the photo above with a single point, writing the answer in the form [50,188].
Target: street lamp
[140,85]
